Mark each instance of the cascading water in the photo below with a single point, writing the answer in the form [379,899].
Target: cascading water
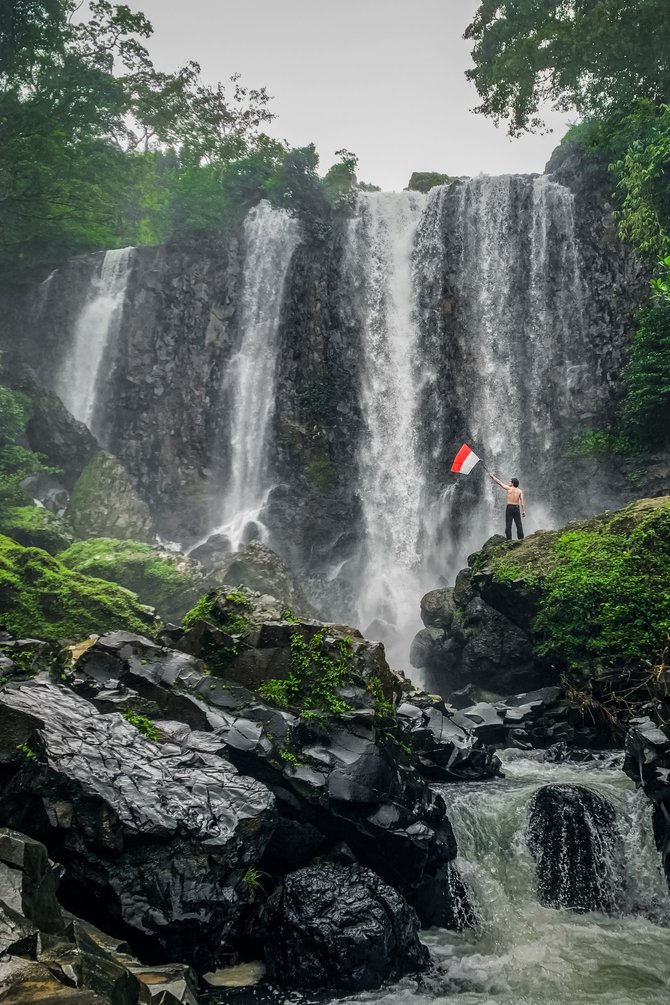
[270,238]
[522,953]
[378,270]
[96,331]
[516,338]
[470,306]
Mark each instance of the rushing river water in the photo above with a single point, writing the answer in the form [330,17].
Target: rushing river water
[522,953]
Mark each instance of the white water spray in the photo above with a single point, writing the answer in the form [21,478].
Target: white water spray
[270,239]
[378,268]
[97,328]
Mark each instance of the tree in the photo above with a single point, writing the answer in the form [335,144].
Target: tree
[91,133]
[590,54]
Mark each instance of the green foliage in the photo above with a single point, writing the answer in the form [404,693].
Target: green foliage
[384,709]
[604,592]
[27,751]
[41,598]
[289,757]
[288,615]
[594,442]
[660,284]
[16,461]
[423,181]
[202,611]
[647,376]
[159,579]
[141,723]
[590,54]
[317,669]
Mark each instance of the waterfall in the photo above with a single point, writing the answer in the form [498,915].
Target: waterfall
[523,952]
[378,273]
[270,237]
[470,308]
[516,339]
[96,331]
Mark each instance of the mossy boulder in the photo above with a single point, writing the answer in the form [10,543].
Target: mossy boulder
[588,605]
[104,503]
[594,595]
[36,527]
[41,598]
[168,581]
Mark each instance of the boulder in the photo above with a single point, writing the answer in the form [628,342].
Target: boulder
[36,527]
[341,928]
[259,568]
[105,503]
[52,431]
[572,834]
[153,839]
[345,776]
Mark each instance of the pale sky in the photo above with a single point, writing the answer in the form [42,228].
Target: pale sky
[383,78]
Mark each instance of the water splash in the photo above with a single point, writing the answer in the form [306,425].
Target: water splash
[97,329]
[270,237]
[523,953]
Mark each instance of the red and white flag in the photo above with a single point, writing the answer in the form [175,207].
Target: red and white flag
[464,461]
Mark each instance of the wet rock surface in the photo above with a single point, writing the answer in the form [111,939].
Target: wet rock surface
[573,836]
[647,763]
[341,928]
[335,778]
[155,838]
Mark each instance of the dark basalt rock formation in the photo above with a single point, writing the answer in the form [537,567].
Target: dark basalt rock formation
[341,928]
[647,762]
[573,836]
[48,957]
[335,778]
[153,838]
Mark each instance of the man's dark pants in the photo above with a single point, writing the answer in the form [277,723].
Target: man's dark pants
[513,514]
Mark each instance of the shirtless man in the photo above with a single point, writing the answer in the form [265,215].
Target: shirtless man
[516,506]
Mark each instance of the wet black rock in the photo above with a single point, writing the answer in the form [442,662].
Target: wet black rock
[342,928]
[154,838]
[647,762]
[356,777]
[573,836]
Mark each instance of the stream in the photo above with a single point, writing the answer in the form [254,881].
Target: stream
[522,953]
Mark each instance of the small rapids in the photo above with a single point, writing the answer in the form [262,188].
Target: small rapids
[522,953]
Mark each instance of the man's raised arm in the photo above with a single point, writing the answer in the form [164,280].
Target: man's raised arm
[498,482]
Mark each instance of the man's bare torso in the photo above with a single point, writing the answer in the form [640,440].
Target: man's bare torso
[513,496]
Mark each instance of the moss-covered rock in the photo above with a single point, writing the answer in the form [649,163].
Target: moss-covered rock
[36,527]
[104,503]
[169,582]
[42,598]
[595,596]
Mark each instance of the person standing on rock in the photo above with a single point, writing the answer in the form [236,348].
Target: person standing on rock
[516,506]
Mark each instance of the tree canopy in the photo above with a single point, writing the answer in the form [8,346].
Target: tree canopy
[588,54]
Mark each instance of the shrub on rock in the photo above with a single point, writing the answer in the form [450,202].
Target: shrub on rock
[341,928]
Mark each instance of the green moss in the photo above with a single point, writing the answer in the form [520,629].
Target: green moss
[35,527]
[42,598]
[162,580]
[603,589]
[141,723]
[321,473]
[224,611]
[423,181]
[317,669]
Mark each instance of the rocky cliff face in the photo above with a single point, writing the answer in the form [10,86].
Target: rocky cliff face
[521,303]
